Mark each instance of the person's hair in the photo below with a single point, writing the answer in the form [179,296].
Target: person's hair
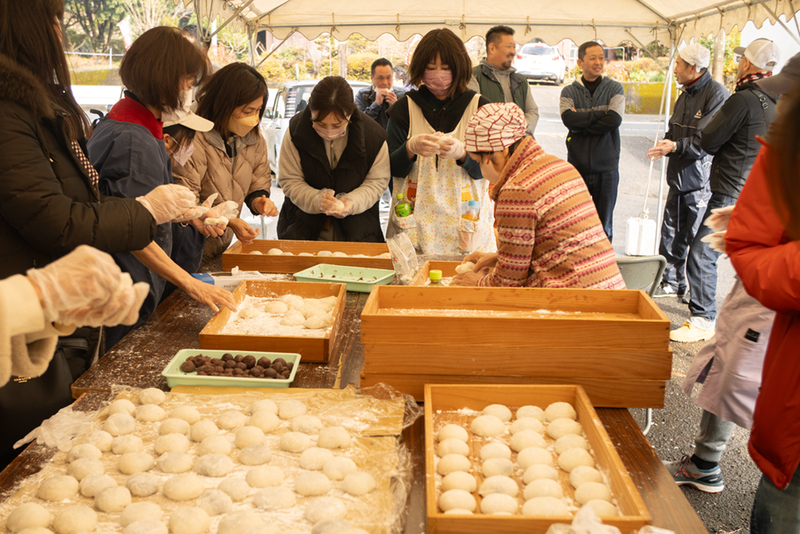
[28,37]
[495,35]
[232,86]
[784,165]
[401,74]
[451,49]
[586,46]
[190,31]
[155,65]
[180,133]
[380,62]
[332,95]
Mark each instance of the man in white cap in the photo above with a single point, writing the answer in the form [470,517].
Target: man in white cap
[688,168]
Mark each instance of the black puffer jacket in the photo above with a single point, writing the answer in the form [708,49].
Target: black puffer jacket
[47,204]
[731,137]
[688,167]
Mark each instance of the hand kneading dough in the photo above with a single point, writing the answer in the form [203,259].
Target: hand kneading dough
[582,474]
[203,429]
[215,502]
[314,458]
[499,484]
[537,471]
[453,462]
[139,511]
[238,522]
[309,484]
[295,442]
[572,458]
[58,488]
[265,420]
[189,520]
[83,467]
[452,431]
[562,427]
[289,409]
[545,507]
[531,411]
[183,487]
[187,413]
[119,423]
[263,404]
[466,267]
[150,413]
[28,515]
[495,450]
[84,450]
[231,419]
[338,467]
[497,466]
[75,519]
[127,443]
[456,498]
[499,503]
[249,435]
[487,426]
[135,462]
[543,487]
[603,508]
[142,484]
[532,456]
[527,423]
[255,455]
[213,465]
[152,396]
[121,406]
[113,499]
[172,443]
[146,526]
[237,488]
[173,425]
[91,485]
[570,441]
[275,498]
[214,445]
[459,480]
[358,483]
[453,446]
[334,437]
[307,424]
[559,410]
[591,491]
[325,508]
[264,476]
[526,438]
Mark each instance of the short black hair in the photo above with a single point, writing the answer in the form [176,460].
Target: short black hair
[190,31]
[380,62]
[586,46]
[495,34]
[180,133]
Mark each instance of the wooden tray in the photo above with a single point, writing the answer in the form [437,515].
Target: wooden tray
[239,255]
[312,349]
[449,398]
[448,269]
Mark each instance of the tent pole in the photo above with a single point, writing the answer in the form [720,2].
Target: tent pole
[664,160]
[771,12]
[250,50]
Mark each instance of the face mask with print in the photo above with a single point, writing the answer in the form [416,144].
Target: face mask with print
[182,155]
[242,127]
[438,81]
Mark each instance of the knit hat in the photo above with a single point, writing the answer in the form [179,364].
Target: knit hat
[697,55]
[762,53]
[494,127]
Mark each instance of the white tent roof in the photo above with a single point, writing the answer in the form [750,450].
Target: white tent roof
[613,21]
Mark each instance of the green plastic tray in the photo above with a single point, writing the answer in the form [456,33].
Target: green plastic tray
[175,377]
[359,279]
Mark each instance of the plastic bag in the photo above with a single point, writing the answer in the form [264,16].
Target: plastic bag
[584,522]
[61,429]
[404,257]
[466,236]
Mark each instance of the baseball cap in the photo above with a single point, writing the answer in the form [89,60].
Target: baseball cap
[785,80]
[696,54]
[494,127]
[762,53]
[188,119]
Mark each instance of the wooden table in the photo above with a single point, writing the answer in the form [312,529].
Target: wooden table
[141,356]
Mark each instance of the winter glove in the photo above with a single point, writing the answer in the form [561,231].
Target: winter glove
[168,202]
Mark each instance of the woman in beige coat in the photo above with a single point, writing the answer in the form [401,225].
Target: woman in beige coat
[231,159]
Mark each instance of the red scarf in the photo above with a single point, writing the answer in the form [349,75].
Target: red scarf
[753,77]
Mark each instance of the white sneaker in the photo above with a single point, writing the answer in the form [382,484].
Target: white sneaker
[690,333]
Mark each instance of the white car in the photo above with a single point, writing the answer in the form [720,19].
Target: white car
[541,62]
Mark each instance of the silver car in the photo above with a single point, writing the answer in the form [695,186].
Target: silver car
[541,62]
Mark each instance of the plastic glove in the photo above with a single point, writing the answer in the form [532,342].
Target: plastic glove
[325,200]
[197,212]
[718,220]
[425,145]
[451,148]
[86,288]
[340,207]
[168,202]
[222,213]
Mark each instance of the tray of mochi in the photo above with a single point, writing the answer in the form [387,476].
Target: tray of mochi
[293,317]
[518,458]
[282,256]
[243,461]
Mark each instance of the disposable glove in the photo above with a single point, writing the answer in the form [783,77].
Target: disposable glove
[425,145]
[222,213]
[340,207]
[325,199]
[451,148]
[168,202]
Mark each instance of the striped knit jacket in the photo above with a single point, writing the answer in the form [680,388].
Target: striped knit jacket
[549,234]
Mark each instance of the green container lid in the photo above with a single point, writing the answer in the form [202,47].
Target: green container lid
[400,196]
[435,275]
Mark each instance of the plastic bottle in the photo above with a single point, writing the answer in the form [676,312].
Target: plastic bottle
[471,211]
[403,207]
[435,277]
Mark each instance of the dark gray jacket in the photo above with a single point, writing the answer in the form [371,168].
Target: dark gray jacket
[365,102]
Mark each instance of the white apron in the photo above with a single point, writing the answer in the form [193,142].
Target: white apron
[436,193]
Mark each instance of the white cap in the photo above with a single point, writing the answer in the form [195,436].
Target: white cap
[188,119]
[697,55]
[762,53]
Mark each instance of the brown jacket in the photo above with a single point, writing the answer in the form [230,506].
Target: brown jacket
[210,171]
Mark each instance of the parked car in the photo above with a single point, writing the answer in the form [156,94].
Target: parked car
[541,62]
[291,98]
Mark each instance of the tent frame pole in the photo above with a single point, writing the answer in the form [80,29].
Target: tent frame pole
[779,21]
[665,160]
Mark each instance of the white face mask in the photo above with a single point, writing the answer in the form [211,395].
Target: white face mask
[182,155]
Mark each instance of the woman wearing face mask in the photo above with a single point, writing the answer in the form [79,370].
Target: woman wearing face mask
[548,228]
[231,159]
[334,168]
[426,143]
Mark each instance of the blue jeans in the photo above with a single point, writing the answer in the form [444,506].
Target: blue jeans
[776,511]
[683,214]
[701,265]
[603,188]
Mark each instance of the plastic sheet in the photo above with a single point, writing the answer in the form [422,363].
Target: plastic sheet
[60,430]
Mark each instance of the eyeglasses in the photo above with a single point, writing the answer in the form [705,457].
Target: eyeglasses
[737,58]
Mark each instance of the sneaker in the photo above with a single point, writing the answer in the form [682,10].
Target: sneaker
[666,290]
[685,473]
[685,298]
[690,333]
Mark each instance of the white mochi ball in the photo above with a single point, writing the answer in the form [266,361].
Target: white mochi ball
[150,413]
[532,456]
[174,425]
[184,487]
[324,253]
[215,502]
[456,498]
[338,467]
[263,404]
[264,476]
[453,462]
[531,411]
[603,508]
[499,484]
[452,446]
[214,445]
[139,511]
[527,423]
[83,467]
[358,483]
[28,515]
[560,410]
[334,437]
[274,252]
[498,410]
[499,503]
[582,474]
[255,252]
[249,435]
[526,438]
[119,423]
[545,507]
[36,530]
[152,396]
[84,450]
[276,307]
[314,458]
[309,484]
[339,254]
[563,426]
[175,462]
[305,254]
[497,466]
[237,488]
[487,426]
[458,511]
[591,491]
[572,458]
[135,462]
[307,424]
[495,450]
[275,498]
[325,508]
[203,429]
[187,413]
[127,443]
[293,318]
[295,442]
[146,526]
[543,487]
[91,485]
[452,431]
[121,406]
[100,439]
[459,480]
[537,471]
[231,419]
[57,488]
[317,322]
[290,409]
[75,519]
[113,499]
[570,441]
[142,484]
[265,420]
[239,522]
[172,443]
[255,455]
[189,520]
[213,465]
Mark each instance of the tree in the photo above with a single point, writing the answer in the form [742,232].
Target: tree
[147,14]
[96,18]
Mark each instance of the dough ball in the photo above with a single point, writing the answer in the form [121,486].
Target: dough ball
[121,406]
[28,515]
[531,411]
[263,404]
[293,318]
[255,252]
[459,480]
[324,253]
[152,396]
[255,455]
[214,445]
[135,462]
[305,254]
[334,437]
[75,519]
[527,423]
[184,487]
[458,511]
[295,302]
[91,485]
[142,484]
[127,443]
[334,525]
[339,254]
[325,508]
[495,450]
[58,488]
[187,413]
[572,458]
[560,410]
[189,520]
[317,322]
[237,488]
[172,443]
[314,458]
[497,466]
[338,467]
[100,439]
[290,409]
[238,522]
[175,462]
[265,420]
[279,498]
[532,456]
[453,462]
[590,491]
[213,465]
[543,487]
[313,307]
[452,431]
[328,303]
[358,483]
[603,508]
[139,511]
[307,424]
[203,429]
[499,503]
[499,484]
[563,426]
[269,529]
[309,484]
[36,530]
[84,450]
[500,411]
[83,467]
[113,499]
[276,307]
[538,471]
[295,442]
[231,419]
[146,526]
[215,502]
[274,252]
[466,267]
[570,441]
[249,435]
[174,425]
[264,476]
[545,507]
[526,438]
[582,474]
[150,413]
[119,423]
[452,446]
[456,498]
[487,426]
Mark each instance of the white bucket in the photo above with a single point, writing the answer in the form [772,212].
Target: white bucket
[640,239]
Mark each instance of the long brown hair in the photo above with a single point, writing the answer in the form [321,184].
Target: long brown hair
[784,164]
[28,37]
[445,44]
[232,86]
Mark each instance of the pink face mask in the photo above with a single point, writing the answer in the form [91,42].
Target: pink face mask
[329,134]
[438,81]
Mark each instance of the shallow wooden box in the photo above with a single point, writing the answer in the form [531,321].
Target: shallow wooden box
[312,349]
[239,255]
[615,343]
[448,398]
[422,277]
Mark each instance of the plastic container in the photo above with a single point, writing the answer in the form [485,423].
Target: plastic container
[471,211]
[403,207]
[640,238]
[435,277]
[175,377]
[358,279]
